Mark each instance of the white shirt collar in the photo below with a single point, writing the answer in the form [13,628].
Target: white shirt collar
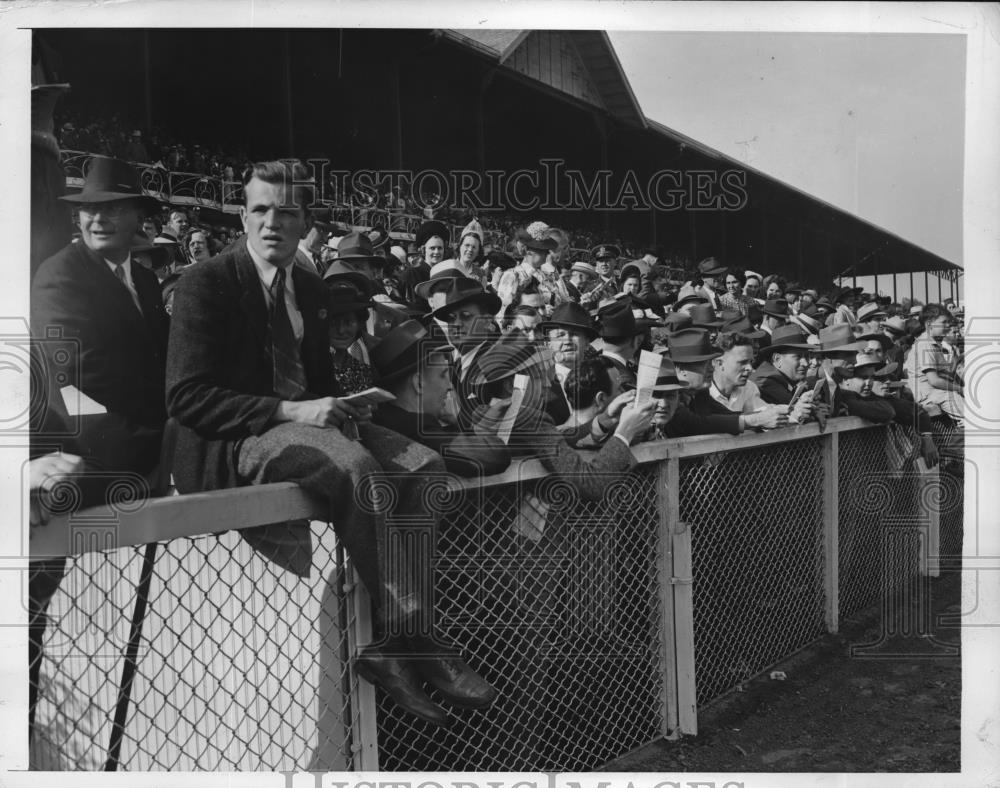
[266,271]
[126,266]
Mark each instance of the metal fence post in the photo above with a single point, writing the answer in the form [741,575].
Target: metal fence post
[363,722]
[929,501]
[831,529]
[676,598]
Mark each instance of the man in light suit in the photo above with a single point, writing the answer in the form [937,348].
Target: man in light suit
[251,381]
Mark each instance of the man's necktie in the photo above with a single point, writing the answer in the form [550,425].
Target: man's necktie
[120,273]
[289,374]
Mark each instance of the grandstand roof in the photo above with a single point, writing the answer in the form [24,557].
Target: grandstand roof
[581,63]
[928,262]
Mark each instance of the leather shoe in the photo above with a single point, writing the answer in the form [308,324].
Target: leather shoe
[458,684]
[398,677]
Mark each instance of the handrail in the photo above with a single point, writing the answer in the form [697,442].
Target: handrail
[199,514]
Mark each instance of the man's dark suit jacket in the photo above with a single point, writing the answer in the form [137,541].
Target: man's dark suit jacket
[775,388]
[702,416]
[108,350]
[219,371]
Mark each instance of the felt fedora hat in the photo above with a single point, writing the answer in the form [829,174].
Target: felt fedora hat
[340,272]
[357,247]
[838,338]
[786,338]
[403,349]
[573,317]
[667,379]
[462,290]
[703,316]
[776,307]
[344,298]
[711,267]
[106,179]
[690,345]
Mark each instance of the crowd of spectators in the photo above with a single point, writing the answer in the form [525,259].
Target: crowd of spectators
[298,351]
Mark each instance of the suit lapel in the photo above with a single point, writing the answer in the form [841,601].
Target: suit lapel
[251,293]
[110,290]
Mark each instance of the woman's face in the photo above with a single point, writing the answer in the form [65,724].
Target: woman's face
[733,286]
[773,291]
[631,286]
[752,287]
[469,250]
[343,331]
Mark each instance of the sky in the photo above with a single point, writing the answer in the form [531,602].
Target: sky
[871,123]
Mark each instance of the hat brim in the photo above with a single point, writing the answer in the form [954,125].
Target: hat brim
[149,203]
[715,324]
[489,301]
[423,290]
[692,359]
[850,347]
[714,271]
[785,347]
[670,387]
[588,331]
[362,258]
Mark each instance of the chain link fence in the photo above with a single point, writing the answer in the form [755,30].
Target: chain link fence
[757,558]
[242,665]
[554,600]
[568,606]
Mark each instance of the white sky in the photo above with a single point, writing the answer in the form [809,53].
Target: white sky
[873,124]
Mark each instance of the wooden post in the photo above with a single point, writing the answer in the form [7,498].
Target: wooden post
[364,727]
[930,563]
[831,532]
[681,585]
[667,505]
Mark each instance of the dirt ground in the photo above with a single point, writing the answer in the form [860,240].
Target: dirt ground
[895,709]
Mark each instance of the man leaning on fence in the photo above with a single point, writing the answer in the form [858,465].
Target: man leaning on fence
[250,379]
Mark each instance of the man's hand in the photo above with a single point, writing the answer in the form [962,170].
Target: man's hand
[325,412]
[802,411]
[619,402]
[768,419]
[43,474]
[635,421]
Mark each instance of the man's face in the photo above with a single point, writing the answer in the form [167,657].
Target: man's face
[272,223]
[666,407]
[710,282]
[874,326]
[733,285]
[108,227]
[434,250]
[466,325]
[792,365]
[733,369]
[198,247]
[469,250]
[435,383]
[805,300]
[938,327]
[567,347]
[149,229]
[528,324]
[874,348]
[880,388]
[534,300]
[860,382]
[178,223]
[603,267]
[694,374]
[579,280]
[838,360]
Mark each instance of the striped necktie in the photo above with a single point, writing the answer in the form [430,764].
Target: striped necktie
[289,374]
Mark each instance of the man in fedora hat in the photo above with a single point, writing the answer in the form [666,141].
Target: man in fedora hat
[250,380]
[110,311]
[568,333]
[837,350]
[786,361]
[666,394]
[775,315]
[709,271]
[417,368]
[691,351]
[623,335]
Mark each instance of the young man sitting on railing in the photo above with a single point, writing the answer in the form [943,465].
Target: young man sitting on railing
[250,379]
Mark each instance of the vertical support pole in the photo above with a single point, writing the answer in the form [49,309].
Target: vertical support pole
[912,292]
[667,507]
[930,561]
[363,724]
[939,286]
[831,529]
[681,581]
[895,299]
[927,287]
